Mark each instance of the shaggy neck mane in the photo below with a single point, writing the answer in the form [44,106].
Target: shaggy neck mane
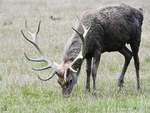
[72,48]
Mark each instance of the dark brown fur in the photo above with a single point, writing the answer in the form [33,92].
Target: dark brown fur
[111,29]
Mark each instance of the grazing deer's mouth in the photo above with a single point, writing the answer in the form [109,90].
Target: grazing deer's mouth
[67,89]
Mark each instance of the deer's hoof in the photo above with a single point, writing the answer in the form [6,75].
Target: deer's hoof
[87,91]
[139,88]
[94,94]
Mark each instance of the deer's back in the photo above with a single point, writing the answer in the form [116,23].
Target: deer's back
[111,28]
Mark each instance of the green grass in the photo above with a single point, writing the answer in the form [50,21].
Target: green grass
[34,100]
[147,59]
[1,78]
[22,92]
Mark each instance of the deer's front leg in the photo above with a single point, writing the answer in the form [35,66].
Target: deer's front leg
[96,60]
[88,71]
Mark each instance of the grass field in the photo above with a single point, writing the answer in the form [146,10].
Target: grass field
[20,89]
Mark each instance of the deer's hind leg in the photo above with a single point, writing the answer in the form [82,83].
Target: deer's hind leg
[127,55]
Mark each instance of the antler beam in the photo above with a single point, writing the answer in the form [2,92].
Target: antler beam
[43,58]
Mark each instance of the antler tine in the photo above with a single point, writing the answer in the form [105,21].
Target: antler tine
[26,26]
[49,77]
[80,56]
[40,69]
[82,39]
[65,75]
[35,60]
[38,27]
[83,26]
[52,65]
[43,58]
[80,35]
[33,35]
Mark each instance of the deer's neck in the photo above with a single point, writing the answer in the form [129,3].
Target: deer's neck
[72,48]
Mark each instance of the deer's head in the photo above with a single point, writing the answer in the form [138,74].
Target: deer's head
[66,72]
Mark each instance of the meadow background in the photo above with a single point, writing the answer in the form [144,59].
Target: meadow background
[20,89]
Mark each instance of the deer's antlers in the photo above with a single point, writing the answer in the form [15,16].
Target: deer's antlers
[43,58]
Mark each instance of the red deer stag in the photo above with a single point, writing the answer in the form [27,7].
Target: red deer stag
[103,30]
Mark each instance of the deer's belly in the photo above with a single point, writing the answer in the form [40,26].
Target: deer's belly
[113,47]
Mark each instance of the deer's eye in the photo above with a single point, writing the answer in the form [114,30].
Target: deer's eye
[70,81]
[67,84]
